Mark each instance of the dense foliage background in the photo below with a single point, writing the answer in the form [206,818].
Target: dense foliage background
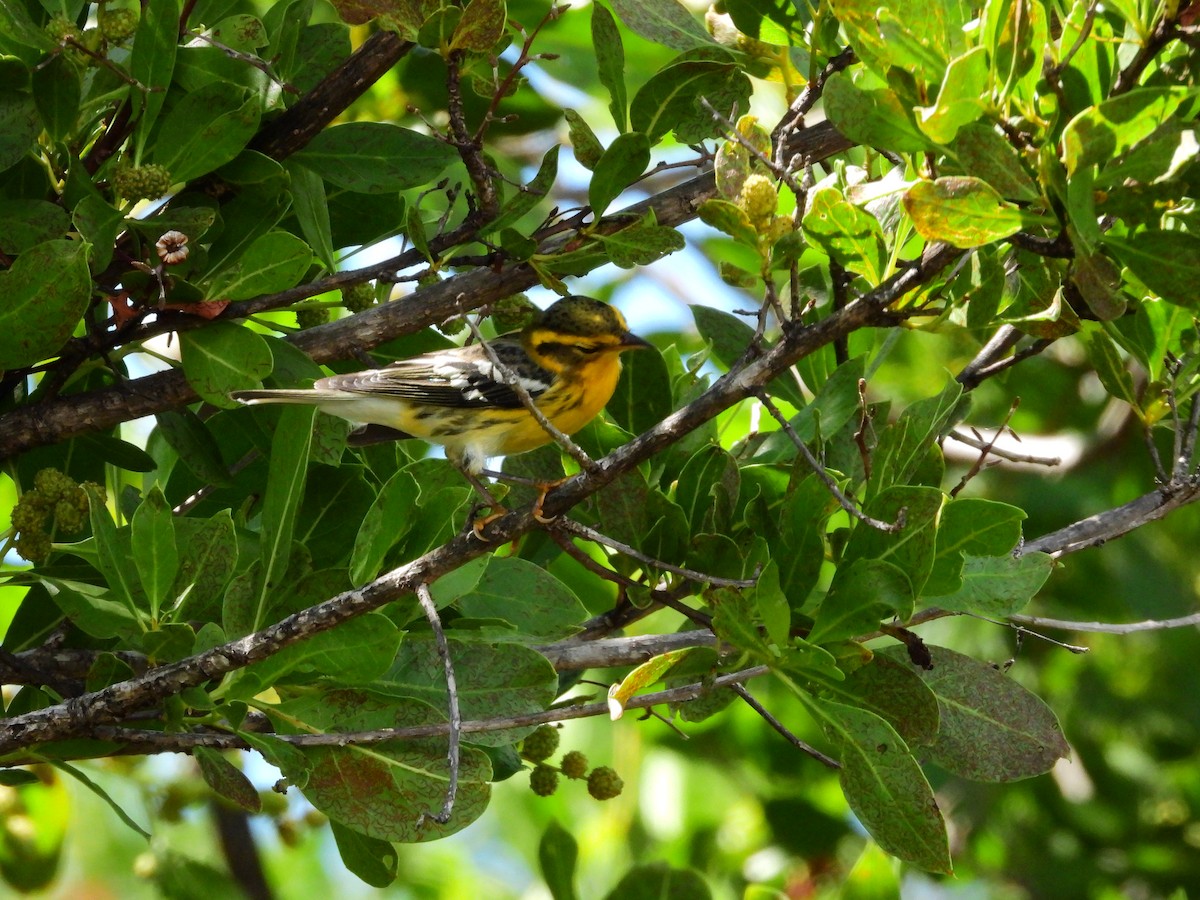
[921,281]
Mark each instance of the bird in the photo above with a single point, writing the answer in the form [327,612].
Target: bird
[567,359]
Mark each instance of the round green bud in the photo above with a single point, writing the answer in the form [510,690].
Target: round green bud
[604,783]
[512,313]
[574,764]
[541,744]
[358,297]
[543,780]
[61,29]
[759,199]
[117,24]
[311,316]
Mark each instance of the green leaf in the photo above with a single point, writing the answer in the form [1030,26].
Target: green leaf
[27,223]
[1010,32]
[641,243]
[96,789]
[91,608]
[154,551]
[374,861]
[894,693]
[1110,367]
[1109,129]
[911,548]
[56,92]
[227,779]
[961,210]
[730,219]
[494,680]
[872,116]
[730,337]
[311,207]
[610,59]
[671,95]
[19,127]
[355,652]
[373,157]
[223,357]
[658,881]
[558,852]
[385,525]
[983,152]
[539,606]
[642,398]
[285,490]
[584,143]
[45,291]
[382,790]
[98,223]
[886,788]
[851,236]
[208,554]
[197,448]
[707,489]
[1167,262]
[992,729]
[481,26]
[906,447]
[114,559]
[530,195]
[663,22]
[622,163]
[274,262]
[863,592]
[151,62]
[206,129]
[961,98]
[772,605]
[997,585]
[975,526]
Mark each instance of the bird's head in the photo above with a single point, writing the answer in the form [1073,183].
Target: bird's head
[577,330]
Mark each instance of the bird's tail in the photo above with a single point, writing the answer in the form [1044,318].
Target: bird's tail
[310,398]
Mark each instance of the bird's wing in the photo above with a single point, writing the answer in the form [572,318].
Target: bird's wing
[461,378]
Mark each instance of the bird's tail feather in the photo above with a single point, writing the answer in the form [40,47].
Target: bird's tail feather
[312,398]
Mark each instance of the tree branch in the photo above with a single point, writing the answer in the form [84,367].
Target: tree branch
[110,704]
[52,421]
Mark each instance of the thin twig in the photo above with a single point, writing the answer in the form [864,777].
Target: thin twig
[985,450]
[980,443]
[659,597]
[816,754]
[590,534]
[162,742]
[845,502]
[455,724]
[509,378]
[1108,627]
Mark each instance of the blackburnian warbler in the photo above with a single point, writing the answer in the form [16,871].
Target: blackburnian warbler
[567,359]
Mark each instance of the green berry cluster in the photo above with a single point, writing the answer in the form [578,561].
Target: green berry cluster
[62,29]
[117,24]
[311,316]
[512,313]
[57,499]
[358,297]
[141,182]
[603,783]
